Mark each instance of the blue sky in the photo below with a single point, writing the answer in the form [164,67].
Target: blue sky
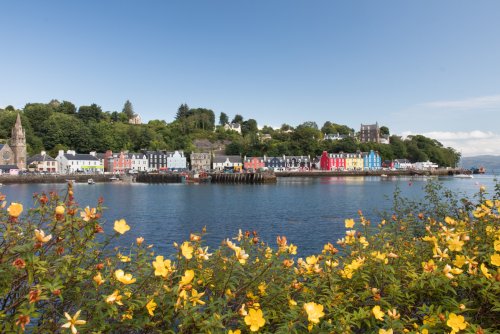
[430,67]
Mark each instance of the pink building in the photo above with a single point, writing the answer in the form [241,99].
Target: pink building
[253,163]
[117,163]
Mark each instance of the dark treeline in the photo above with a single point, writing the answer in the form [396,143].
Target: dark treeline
[58,126]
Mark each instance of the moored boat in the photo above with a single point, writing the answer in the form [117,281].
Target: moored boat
[464,176]
[90,181]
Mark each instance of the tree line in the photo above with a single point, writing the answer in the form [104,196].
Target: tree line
[58,126]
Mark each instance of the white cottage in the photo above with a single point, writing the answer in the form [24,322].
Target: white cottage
[224,162]
[139,162]
[176,160]
[72,162]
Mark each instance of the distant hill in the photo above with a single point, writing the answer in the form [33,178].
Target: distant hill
[490,162]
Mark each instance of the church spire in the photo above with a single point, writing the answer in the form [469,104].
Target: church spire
[18,120]
[18,143]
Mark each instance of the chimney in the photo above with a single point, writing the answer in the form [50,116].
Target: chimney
[43,153]
[92,153]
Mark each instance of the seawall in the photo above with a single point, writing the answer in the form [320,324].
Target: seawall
[11,179]
[407,172]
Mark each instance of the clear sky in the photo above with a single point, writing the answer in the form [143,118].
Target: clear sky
[430,67]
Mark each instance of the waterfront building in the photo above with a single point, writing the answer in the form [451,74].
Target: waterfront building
[354,161]
[157,161]
[176,161]
[254,163]
[372,160]
[9,169]
[200,161]
[139,162]
[337,161]
[43,163]
[324,161]
[224,162]
[6,155]
[402,164]
[294,162]
[72,162]
[117,163]
[425,165]
[277,163]
[18,144]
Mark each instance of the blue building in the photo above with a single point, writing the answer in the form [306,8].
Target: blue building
[372,160]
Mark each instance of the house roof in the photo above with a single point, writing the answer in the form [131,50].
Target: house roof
[80,157]
[223,158]
[6,168]
[39,157]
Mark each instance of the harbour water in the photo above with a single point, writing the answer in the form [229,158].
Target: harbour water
[309,211]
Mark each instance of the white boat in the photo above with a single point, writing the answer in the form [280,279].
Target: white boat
[90,181]
[464,176]
[383,175]
[114,179]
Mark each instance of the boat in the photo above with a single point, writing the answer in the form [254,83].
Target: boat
[90,181]
[383,175]
[463,176]
[114,179]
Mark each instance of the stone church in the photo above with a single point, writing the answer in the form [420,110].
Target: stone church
[15,152]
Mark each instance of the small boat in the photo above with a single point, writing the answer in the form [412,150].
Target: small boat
[114,179]
[464,176]
[90,181]
[383,175]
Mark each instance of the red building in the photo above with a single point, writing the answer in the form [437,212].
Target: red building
[333,161]
[117,163]
[253,163]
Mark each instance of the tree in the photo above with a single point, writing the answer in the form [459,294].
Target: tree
[182,112]
[10,108]
[66,108]
[90,113]
[384,131]
[249,126]
[37,114]
[237,119]
[223,119]
[128,109]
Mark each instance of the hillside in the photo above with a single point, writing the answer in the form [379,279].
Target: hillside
[490,162]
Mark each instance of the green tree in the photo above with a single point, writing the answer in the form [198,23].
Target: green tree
[223,119]
[37,114]
[182,112]
[90,113]
[237,119]
[384,131]
[249,126]
[128,110]
[66,107]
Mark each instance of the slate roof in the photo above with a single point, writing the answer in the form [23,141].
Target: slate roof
[6,168]
[81,157]
[223,158]
[39,157]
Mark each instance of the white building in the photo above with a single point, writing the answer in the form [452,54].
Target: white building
[139,162]
[43,163]
[233,126]
[176,160]
[71,162]
[425,165]
[227,161]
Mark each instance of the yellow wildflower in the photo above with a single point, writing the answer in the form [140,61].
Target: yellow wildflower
[364,242]
[124,278]
[292,303]
[15,209]
[311,260]
[162,267]
[484,269]
[378,313]
[139,241]
[187,278]
[115,297]
[121,226]
[440,254]
[459,261]
[151,306]
[455,244]
[237,331]
[292,249]
[255,319]
[383,331]
[495,259]
[349,223]
[241,255]
[195,297]
[60,210]
[202,253]
[314,312]
[73,321]
[124,258]
[393,314]
[187,250]
[98,279]
[262,288]
[456,322]
[497,245]
[88,214]
[40,236]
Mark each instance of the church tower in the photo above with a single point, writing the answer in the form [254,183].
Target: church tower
[18,144]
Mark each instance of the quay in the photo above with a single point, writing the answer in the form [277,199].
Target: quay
[405,172]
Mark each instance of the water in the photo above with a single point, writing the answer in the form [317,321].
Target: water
[309,211]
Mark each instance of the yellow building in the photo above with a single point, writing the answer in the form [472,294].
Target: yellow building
[353,161]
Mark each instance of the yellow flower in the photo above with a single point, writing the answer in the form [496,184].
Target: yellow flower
[115,297]
[162,267]
[455,244]
[121,226]
[292,249]
[349,223]
[311,260]
[383,331]
[314,312]
[124,258]
[60,210]
[484,269]
[72,321]
[187,250]
[202,253]
[440,254]
[456,322]
[495,259]
[363,241]
[262,288]
[241,255]
[15,209]
[459,261]
[378,313]
[88,214]
[237,331]
[255,319]
[124,278]
[292,303]
[98,279]
[139,241]
[40,236]
[195,297]
[187,278]
[497,245]
[151,306]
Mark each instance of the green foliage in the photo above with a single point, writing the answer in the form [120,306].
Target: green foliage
[430,266]
[128,110]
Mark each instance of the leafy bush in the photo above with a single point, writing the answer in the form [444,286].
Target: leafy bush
[59,272]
